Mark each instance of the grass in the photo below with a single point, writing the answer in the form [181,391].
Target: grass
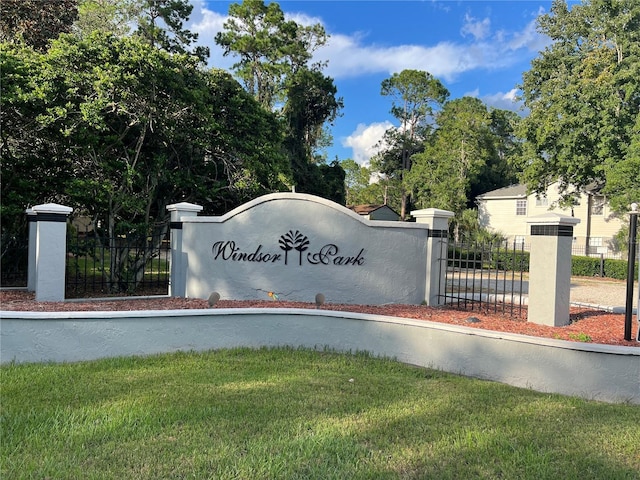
[91,266]
[298,414]
[580,337]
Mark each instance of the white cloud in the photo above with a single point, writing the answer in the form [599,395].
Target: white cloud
[350,55]
[474,93]
[529,39]
[303,18]
[478,29]
[207,23]
[364,141]
[204,20]
[502,100]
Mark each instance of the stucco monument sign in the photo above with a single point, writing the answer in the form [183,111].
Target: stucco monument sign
[296,246]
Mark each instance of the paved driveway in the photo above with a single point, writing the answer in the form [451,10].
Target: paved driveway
[606,293]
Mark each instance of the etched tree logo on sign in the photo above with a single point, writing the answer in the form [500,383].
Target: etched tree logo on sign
[293,241]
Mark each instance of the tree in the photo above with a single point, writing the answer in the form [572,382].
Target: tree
[443,172]
[504,148]
[160,22]
[332,185]
[135,128]
[29,162]
[362,186]
[274,65]
[311,102]
[269,48]
[468,151]
[356,181]
[583,95]
[36,21]
[415,96]
[106,16]
[623,177]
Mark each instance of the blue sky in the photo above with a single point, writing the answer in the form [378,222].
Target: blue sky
[474,47]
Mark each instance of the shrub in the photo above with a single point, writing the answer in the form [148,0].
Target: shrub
[585,266]
[462,257]
[590,267]
[510,259]
[617,268]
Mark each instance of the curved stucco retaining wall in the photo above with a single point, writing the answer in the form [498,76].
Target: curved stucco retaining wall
[601,372]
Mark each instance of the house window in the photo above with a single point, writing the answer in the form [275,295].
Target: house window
[595,241]
[521,207]
[542,201]
[597,205]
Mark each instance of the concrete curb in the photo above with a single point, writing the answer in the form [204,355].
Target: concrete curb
[592,371]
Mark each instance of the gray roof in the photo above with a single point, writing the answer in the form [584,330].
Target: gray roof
[512,191]
[366,209]
[520,191]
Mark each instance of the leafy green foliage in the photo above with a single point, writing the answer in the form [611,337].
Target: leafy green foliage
[106,16]
[311,102]
[160,22]
[491,255]
[36,22]
[468,152]
[442,174]
[585,266]
[270,48]
[415,95]
[466,228]
[274,67]
[503,148]
[361,190]
[119,129]
[445,152]
[333,182]
[32,167]
[583,95]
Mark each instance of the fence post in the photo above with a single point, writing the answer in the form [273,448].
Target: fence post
[550,269]
[436,275]
[178,261]
[50,251]
[31,250]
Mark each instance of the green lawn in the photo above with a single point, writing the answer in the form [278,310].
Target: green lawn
[298,414]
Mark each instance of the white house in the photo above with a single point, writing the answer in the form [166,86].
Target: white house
[507,209]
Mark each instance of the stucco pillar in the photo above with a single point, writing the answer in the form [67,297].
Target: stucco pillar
[50,251]
[550,268]
[31,253]
[436,277]
[179,260]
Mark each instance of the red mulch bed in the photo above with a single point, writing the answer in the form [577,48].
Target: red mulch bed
[586,324]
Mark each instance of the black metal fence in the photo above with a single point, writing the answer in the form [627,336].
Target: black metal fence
[14,262]
[487,277]
[593,252]
[125,265]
